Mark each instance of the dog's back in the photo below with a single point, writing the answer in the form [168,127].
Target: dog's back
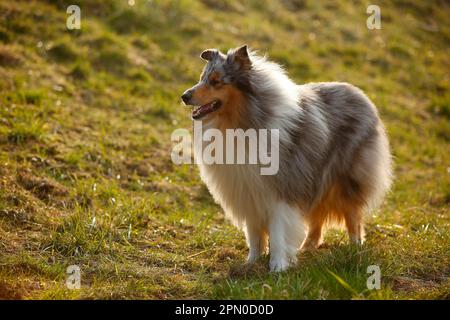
[338,137]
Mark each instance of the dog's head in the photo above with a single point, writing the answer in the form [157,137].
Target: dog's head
[223,82]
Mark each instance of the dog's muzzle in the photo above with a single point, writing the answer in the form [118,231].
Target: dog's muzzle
[186,97]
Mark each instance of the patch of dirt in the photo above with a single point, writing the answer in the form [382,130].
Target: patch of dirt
[440,200]
[43,188]
[166,186]
[18,290]
[412,285]
[242,270]
[7,292]
[142,169]
[8,58]
[17,217]
[227,254]
[224,5]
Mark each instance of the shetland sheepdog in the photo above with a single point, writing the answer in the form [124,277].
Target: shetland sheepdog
[334,158]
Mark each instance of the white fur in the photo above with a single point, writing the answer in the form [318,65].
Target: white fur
[250,203]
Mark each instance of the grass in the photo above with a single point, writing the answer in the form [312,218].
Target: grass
[86,177]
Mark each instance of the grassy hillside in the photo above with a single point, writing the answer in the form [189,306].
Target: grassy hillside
[85,170]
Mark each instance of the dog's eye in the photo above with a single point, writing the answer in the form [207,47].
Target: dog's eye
[214,82]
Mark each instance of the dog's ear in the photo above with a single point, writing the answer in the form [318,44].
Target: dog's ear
[241,57]
[209,54]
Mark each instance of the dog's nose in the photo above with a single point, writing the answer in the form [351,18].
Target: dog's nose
[186,96]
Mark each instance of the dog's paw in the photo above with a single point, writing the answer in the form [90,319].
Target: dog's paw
[309,247]
[252,258]
[277,264]
[356,241]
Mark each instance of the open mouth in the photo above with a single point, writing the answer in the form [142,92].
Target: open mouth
[205,109]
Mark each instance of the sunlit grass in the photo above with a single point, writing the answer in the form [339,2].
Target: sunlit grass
[85,171]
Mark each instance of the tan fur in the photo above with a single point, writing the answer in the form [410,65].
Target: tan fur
[203,94]
[335,208]
[233,109]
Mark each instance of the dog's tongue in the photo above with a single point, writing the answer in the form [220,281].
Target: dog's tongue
[202,111]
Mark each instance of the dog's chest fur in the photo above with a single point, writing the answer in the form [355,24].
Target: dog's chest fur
[240,189]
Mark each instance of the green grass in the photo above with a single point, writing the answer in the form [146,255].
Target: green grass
[85,172]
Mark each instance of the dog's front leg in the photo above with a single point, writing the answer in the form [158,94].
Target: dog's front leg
[286,233]
[256,237]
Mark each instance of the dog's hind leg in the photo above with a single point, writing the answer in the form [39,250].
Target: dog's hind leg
[315,220]
[314,235]
[286,232]
[257,239]
[354,222]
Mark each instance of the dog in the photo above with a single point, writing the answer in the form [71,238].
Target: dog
[334,155]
